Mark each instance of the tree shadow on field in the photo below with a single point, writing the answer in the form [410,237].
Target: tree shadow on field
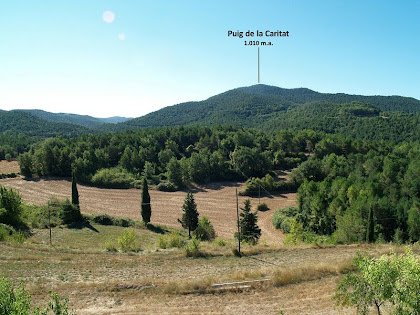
[156,229]
[82,225]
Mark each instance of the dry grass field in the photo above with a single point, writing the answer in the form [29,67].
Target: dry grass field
[9,167]
[216,201]
[302,280]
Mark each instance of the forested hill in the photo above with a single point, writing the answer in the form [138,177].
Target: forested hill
[265,106]
[19,122]
[82,120]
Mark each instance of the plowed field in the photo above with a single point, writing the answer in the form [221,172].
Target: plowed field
[216,201]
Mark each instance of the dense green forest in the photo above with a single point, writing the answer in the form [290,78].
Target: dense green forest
[82,120]
[342,191]
[272,108]
[19,122]
[172,157]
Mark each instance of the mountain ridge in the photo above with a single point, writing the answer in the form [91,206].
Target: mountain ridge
[261,102]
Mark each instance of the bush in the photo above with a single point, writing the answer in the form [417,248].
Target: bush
[5,232]
[174,239]
[127,241]
[282,218]
[113,178]
[70,213]
[390,279]
[110,246]
[105,219]
[262,207]
[166,186]
[41,216]
[102,219]
[162,242]
[205,230]
[10,206]
[192,249]
[219,242]
[17,301]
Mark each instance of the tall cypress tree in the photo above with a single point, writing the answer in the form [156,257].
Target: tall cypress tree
[370,237]
[74,191]
[190,214]
[146,209]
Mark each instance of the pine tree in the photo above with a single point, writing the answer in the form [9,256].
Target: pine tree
[250,232]
[370,237]
[190,214]
[146,209]
[74,191]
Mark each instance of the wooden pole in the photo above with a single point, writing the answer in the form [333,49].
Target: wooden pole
[49,222]
[237,218]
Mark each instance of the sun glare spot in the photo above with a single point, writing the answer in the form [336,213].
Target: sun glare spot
[108,16]
[121,36]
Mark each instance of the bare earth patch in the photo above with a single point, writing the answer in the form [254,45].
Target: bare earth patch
[217,201]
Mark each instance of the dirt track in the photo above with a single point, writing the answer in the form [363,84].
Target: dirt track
[216,201]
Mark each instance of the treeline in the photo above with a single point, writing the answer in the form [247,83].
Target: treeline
[171,157]
[344,193]
[11,145]
[357,120]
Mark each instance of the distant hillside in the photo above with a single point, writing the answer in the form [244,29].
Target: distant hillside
[81,120]
[114,119]
[20,122]
[262,105]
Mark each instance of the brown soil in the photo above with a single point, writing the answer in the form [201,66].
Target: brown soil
[216,201]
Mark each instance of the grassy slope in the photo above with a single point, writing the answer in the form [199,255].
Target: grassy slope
[109,283]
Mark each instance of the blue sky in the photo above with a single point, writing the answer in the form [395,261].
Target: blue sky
[61,56]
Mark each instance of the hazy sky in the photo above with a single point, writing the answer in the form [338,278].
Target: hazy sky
[128,58]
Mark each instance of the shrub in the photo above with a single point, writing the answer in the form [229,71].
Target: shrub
[162,242]
[262,207]
[389,278]
[192,249]
[205,230]
[5,232]
[70,213]
[127,241]
[166,186]
[18,237]
[13,301]
[113,178]
[219,242]
[282,218]
[175,240]
[18,301]
[105,219]
[10,206]
[110,246]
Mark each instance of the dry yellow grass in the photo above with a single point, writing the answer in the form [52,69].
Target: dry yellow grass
[302,278]
[9,167]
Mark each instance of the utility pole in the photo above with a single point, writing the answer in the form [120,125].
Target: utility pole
[49,222]
[239,229]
